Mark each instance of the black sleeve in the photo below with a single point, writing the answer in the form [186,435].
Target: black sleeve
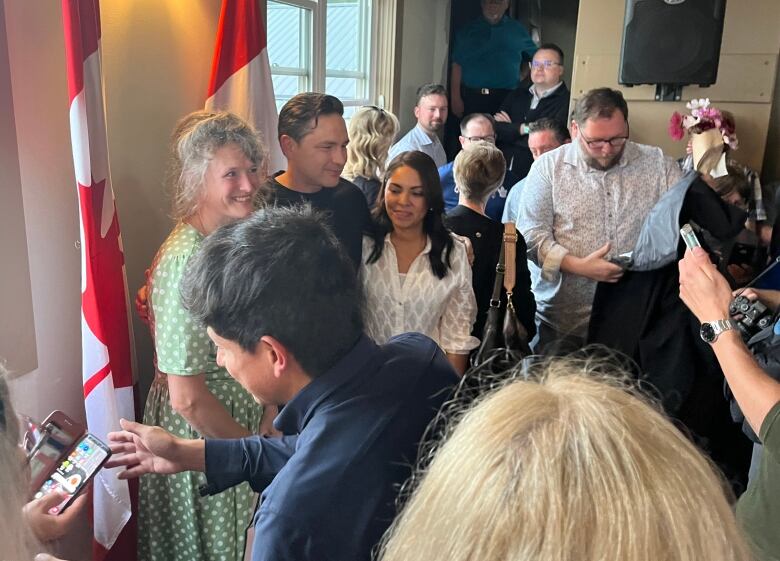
[508,132]
[522,297]
[358,224]
[708,210]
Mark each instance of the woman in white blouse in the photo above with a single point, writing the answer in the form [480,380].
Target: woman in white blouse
[415,275]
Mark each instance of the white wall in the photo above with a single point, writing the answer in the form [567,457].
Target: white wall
[50,210]
[424,45]
[156,61]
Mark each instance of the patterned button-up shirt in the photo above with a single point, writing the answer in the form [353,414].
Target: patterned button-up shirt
[567,206]
[443,309]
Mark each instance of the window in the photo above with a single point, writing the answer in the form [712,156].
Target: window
[321,46]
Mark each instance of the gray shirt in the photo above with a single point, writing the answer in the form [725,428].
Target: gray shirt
[566,206]
[418,139]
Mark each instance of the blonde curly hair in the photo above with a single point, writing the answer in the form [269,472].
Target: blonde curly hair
[371,133]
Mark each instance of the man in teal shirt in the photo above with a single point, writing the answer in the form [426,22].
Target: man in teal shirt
[486,59]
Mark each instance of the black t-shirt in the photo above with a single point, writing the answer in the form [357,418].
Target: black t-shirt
[344,205]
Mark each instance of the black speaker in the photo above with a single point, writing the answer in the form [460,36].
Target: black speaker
[671,42]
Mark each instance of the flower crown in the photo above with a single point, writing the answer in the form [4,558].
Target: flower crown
[703,117]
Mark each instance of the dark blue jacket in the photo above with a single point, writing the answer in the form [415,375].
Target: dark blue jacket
[358,427]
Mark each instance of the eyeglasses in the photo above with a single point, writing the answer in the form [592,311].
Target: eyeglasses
[598,144]
[536,64]
[489,138]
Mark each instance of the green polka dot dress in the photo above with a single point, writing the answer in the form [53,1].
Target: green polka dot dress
[175,522]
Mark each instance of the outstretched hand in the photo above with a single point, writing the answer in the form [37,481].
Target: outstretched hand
[144,449]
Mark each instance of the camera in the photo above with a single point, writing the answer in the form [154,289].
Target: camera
[753,316]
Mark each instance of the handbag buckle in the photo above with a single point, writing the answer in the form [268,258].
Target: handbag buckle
[500,268]
[495,303]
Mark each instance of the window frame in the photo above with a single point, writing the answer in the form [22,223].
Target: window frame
[317,48]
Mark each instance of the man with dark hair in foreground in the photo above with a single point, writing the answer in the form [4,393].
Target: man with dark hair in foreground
[282,304]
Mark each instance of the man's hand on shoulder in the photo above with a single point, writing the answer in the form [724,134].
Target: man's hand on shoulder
[144,449]
[593,266]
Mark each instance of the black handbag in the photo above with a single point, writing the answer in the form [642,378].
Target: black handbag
[504,339]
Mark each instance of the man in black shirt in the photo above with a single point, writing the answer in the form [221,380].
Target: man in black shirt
[547,96]
[313,137]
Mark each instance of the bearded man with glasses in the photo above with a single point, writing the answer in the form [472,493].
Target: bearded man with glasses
[582,206]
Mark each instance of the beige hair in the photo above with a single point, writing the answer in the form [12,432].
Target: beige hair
[572,466]
[17,542]
[479,170]
[195,139]
[371,133]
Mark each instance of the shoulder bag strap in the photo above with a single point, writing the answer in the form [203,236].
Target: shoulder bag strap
[495,300]
[509,254]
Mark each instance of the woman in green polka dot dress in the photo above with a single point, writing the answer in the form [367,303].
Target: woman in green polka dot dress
[217,160]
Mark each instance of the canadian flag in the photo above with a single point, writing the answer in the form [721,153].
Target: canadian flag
[105,334]
[241,75]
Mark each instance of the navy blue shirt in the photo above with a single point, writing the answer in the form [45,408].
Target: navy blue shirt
[358,427]
[495,204]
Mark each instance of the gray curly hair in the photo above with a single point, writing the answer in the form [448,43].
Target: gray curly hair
[195,139]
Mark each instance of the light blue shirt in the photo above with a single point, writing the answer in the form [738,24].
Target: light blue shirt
[418,139]
[512,204]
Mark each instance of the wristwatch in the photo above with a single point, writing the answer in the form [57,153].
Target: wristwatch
[525,129]
[710,330]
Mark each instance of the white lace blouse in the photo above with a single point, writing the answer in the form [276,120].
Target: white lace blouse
[443,309]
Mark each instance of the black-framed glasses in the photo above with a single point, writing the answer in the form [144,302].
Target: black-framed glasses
[599,143]
[488,138]
[543,64]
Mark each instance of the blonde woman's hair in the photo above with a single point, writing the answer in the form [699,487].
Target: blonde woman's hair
[17,542]
[479,170]
[572,465]
[371,133]
[194,141]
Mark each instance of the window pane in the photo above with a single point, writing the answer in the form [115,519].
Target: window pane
[289,40]
[347,48]
[343,88]
[284,88]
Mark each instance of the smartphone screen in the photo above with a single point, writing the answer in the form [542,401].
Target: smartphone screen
[76,470]
[56,442]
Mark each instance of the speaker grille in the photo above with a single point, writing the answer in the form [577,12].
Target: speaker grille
[671,43]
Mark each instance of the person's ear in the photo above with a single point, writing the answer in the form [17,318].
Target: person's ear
[462,140]
[575,129]
[287,144]
[416,111]
[276,353]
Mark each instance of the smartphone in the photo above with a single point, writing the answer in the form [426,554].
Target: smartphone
[76,471]
[66,460]
[689,237]
[624,260]
[57,435]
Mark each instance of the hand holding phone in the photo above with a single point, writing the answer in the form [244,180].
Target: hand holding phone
[65,460]
[49,526]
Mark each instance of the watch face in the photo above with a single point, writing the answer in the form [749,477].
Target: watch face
[707,332]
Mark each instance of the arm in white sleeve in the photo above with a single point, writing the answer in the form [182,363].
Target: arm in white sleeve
[535,221]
